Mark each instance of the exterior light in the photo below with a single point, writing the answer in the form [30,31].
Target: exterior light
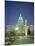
[16,28]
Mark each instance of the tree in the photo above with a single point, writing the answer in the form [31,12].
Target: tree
[28,32]
[10,37]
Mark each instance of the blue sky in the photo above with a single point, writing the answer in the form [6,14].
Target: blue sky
[13,10]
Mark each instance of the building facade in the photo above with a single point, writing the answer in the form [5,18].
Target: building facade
[21,27]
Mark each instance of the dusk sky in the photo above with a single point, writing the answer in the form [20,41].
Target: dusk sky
[13,10]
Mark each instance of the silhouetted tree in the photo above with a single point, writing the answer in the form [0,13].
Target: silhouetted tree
[28,32]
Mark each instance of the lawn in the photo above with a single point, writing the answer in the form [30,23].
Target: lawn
[23,41]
